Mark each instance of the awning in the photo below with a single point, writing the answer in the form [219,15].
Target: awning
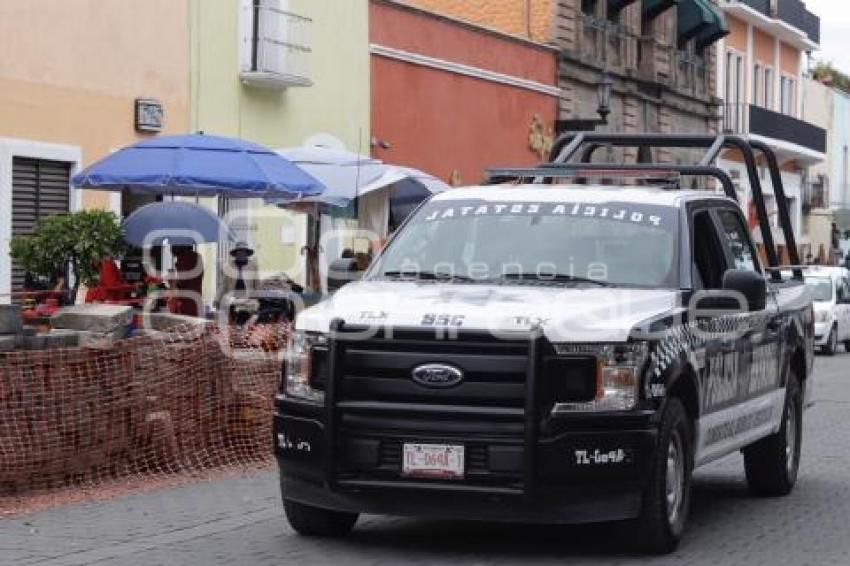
[715,32]
[695,18]
[654,8]
[616,6]
[698,19]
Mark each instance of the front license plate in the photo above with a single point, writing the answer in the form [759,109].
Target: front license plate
[438,461]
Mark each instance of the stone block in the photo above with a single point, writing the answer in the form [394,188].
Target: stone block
[10,319]
[9,342]
[101,339]
[35,342]
[161,321]
[60,338]
[93,318]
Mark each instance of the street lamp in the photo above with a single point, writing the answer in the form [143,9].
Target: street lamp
[603,94]
[603,97]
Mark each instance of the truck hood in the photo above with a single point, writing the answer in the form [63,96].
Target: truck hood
[565,314]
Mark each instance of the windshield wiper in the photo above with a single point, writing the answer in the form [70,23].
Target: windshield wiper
[553,278]
[426,276]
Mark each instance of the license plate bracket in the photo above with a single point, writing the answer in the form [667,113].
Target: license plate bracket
[433,461]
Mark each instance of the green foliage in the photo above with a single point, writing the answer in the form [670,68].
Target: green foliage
[32,258]
[79,240]
[828,71]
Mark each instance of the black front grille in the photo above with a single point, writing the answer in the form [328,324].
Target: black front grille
[380,370]
[379,407]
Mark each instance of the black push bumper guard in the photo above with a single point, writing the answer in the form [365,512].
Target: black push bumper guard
[552,487]
[341,334]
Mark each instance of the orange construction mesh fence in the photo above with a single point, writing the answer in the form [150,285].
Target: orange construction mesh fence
[184,400]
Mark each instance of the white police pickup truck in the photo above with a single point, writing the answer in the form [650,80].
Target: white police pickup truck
[550,352]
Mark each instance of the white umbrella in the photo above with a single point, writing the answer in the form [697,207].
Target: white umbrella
[342,173]
[396,174]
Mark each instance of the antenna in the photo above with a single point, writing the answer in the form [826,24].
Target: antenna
[357,181]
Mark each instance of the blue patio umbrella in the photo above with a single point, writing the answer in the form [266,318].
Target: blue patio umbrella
[199,165]
[181,223]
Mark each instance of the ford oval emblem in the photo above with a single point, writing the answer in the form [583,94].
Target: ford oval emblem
[437,376]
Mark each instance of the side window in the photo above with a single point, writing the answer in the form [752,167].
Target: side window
[709,263]
[737,240]
[843,290]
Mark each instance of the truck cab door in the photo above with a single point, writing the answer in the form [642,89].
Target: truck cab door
[760,343]
[719,372]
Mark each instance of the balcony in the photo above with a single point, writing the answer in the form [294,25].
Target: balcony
[790,137]
[276,47]
[789,20]
[794,13]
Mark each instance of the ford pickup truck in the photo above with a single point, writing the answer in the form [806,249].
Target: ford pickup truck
[564,347]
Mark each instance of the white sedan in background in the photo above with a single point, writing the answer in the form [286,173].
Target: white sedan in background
[830,288]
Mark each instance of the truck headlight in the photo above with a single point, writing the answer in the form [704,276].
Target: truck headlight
[298,378]
[618,372]
[822,316]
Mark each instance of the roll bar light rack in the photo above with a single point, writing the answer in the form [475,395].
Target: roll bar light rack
[583,145]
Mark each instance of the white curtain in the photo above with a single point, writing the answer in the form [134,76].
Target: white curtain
[374,212]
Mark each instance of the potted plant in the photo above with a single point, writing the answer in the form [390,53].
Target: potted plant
[72,244]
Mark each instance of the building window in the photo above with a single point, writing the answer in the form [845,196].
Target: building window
[734,115]
[768,88]
[788,96]
[588,7]
[40,189]
[276,45]
[757,82]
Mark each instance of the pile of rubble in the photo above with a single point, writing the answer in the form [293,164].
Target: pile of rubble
[83,326]
[76,326]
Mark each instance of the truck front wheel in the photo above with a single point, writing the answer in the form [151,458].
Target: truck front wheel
[668,497]
[316,522]
[772,463]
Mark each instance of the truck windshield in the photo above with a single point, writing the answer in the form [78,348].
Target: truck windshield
[611,243]
[821,288]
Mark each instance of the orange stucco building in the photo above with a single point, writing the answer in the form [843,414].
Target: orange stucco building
[453,98]
[761,72]
[526,18]
[69,80]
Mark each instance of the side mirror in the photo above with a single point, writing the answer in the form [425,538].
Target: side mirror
[749,284]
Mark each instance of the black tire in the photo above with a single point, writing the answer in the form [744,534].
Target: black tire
[847,346]
[772,463]
[831,343]
[316,522]
[662,520]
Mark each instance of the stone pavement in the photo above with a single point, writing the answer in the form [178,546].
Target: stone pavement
[240,521]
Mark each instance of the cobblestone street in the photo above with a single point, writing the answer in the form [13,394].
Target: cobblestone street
[240,521]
